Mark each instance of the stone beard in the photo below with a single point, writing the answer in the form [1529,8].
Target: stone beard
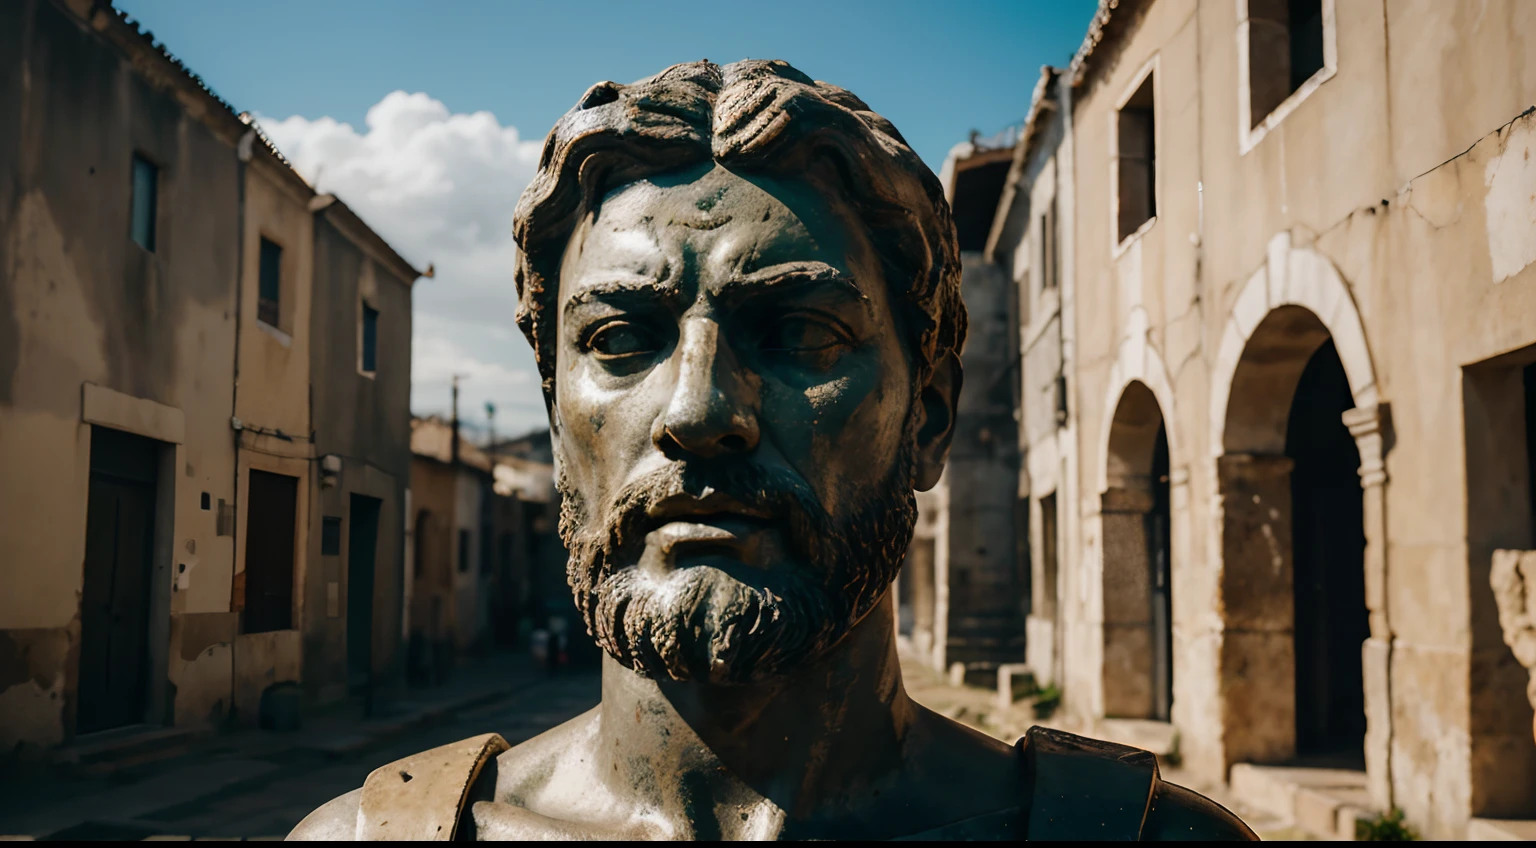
[733,625]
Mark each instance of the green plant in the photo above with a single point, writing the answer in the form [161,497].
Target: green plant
[1047,701]
[1388,827]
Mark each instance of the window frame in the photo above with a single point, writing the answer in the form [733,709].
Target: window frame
[1249,134]
[1119,245]
[363,308]
[262,240]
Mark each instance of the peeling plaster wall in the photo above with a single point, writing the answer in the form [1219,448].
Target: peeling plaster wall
[80,303]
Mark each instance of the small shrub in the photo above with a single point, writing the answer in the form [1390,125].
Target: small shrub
[1385,828]
[1047,701]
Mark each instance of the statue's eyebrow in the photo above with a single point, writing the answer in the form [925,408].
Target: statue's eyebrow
[794,274]
[623,288]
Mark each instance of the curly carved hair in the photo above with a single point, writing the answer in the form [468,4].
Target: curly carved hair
[752,115]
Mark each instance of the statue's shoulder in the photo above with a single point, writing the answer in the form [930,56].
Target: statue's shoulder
[425,796]
[1087,788]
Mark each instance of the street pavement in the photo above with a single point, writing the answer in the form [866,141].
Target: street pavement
[258,786]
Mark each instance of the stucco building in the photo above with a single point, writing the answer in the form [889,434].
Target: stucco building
[172,415]
[1298,304]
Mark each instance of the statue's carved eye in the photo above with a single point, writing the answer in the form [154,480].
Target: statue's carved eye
[622,340]
[800,333]
[804,342]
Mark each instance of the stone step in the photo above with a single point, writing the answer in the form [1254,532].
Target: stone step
[1501,830]
[125,747]
[1323,802]
[1159,737]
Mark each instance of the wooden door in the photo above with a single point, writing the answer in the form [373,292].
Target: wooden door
[271,515]
[362,545]
[114,601]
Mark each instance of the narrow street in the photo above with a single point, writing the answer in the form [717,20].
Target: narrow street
[257,786]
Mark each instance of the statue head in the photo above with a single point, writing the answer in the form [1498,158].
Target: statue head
[742,291]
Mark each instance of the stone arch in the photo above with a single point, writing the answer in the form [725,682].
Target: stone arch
[1303,280]
[1135,526]
[1289,310]
[1137,362]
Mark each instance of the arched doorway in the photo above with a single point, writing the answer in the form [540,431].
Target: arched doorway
[1138,600]
[1328,544]
[1293,543]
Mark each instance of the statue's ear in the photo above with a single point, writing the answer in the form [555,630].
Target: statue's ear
[937,403]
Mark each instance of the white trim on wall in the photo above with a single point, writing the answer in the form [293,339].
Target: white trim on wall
[1249,135]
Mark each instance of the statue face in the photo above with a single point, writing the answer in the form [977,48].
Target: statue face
[734,414]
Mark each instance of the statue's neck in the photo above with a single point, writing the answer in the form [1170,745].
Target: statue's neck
[828,732]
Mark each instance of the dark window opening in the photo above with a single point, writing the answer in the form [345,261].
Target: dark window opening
[1044,600]
[146,179]
[1285,49]
[1137,161]
[1528,377]
[271,514]
[370,338]
[269,293]
[1050,248]
[463,551]
[207,502]
[330,536]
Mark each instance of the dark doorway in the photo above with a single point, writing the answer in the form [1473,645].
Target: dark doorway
[915,608]
[271,513]
[1328,545]
[362,545]
[1159,559]
[114,602]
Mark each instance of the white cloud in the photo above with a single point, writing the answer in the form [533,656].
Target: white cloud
[441,188]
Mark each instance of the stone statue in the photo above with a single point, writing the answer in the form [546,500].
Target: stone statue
[743,291]
[1513,578]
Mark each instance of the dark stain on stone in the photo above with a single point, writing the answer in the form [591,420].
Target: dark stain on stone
[200,631]
[39,655]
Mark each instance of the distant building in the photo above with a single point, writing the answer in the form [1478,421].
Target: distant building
[182,457]
[480,526]
[964,594]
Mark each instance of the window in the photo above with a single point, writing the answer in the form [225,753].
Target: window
[1285,49]
[463,551]
[370,339]
[146,178]
[1050,248]
[1044,600]
[269,292]
[1136,159]
[330,536]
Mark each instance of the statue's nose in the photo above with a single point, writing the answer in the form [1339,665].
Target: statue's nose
[713,408]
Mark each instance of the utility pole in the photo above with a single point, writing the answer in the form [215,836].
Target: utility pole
[454,444]
[490,425]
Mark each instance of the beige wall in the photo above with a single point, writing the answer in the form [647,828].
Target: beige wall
[1362,208]
[81,303]
[271,396]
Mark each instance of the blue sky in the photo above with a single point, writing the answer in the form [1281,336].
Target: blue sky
[936,70]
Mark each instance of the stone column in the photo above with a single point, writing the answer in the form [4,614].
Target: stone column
[1365,424]
[1127,669]
[1258,648]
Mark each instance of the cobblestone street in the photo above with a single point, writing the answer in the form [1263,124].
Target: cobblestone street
[257,786]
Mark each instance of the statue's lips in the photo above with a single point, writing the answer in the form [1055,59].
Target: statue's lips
[724,531]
